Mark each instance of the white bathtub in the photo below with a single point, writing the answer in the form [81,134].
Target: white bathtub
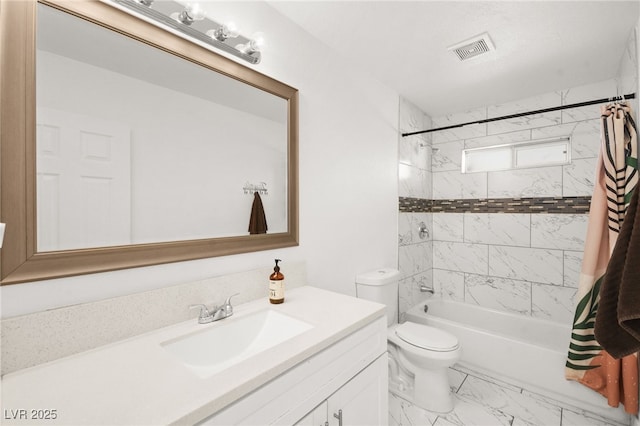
[523,351]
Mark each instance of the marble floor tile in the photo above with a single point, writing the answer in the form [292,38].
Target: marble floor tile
[455,379]
[573,418]
[442,422]
[482,400]
[507,401]
[520,422]
[467,371]
[394,410]
[404,413]
[472,413]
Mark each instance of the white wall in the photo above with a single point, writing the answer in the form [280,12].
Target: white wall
[348,178]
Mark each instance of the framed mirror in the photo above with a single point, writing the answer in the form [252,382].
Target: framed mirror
[124,145]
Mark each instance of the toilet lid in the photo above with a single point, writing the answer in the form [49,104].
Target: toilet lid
[427,337]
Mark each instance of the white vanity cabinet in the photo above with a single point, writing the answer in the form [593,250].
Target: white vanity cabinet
[364,399]
[338,363]
[361,401]
[348,379]
[319,416]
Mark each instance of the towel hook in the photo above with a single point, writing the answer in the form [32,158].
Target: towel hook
[251,188]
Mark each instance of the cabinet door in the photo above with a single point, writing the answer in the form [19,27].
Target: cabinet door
[364,399]
[317,417]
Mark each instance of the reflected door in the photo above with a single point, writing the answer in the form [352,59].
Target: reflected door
[83,181]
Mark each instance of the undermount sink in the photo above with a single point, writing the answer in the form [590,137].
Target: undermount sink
[234,339]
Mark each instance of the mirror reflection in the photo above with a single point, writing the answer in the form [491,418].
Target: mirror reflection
[136,145]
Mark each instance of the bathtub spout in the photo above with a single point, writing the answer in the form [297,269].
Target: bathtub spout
[425,289]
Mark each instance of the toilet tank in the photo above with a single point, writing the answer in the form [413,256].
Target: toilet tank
[380,285]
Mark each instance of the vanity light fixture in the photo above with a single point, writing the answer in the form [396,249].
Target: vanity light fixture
[192,21]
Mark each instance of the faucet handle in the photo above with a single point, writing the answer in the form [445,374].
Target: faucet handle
[205,315]
[227,305]
[228,301]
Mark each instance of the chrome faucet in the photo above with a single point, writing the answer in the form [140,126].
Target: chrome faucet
[217,313]
[425,289]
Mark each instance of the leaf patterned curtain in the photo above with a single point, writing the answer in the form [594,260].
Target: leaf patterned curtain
[616,177]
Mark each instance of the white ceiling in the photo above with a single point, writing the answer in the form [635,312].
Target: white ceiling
[541,46]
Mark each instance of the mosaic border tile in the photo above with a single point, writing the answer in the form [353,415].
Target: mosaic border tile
[556,205]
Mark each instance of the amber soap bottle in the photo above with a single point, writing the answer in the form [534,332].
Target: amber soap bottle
[276,285]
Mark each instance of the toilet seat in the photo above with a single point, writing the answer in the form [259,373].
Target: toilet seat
[427,337]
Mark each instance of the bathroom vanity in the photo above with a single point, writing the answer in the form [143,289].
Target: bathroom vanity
[319,358]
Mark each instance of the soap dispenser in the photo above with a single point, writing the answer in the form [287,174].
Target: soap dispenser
[276,285]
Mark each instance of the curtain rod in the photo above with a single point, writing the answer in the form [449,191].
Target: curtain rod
[522,114]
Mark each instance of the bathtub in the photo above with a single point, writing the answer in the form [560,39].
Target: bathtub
[523,351]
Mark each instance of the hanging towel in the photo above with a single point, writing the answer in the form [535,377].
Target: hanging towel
[257,220]
[616,177]
[617,326]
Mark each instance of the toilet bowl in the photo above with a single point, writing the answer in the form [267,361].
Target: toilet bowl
[419,354]
[426,352]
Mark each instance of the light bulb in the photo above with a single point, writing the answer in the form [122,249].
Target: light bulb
[254,44]
[258,41]
[192,12]
[232,29]
[224,32]
[195,11]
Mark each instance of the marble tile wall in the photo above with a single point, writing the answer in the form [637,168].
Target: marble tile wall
[521,263]
[415,254]
[527,263]
[628,75]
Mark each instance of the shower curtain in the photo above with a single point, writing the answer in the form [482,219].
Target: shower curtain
[616,177]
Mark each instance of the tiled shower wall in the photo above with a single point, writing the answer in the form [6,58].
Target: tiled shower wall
[527,263]
[415,254]
[518,262]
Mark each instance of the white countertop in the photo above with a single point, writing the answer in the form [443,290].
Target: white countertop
[136,381]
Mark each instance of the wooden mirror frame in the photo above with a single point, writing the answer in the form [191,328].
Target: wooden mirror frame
[20,261]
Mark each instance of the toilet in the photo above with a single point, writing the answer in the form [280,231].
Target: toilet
[419,355]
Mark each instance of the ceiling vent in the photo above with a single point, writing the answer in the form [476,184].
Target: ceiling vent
[473,47]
